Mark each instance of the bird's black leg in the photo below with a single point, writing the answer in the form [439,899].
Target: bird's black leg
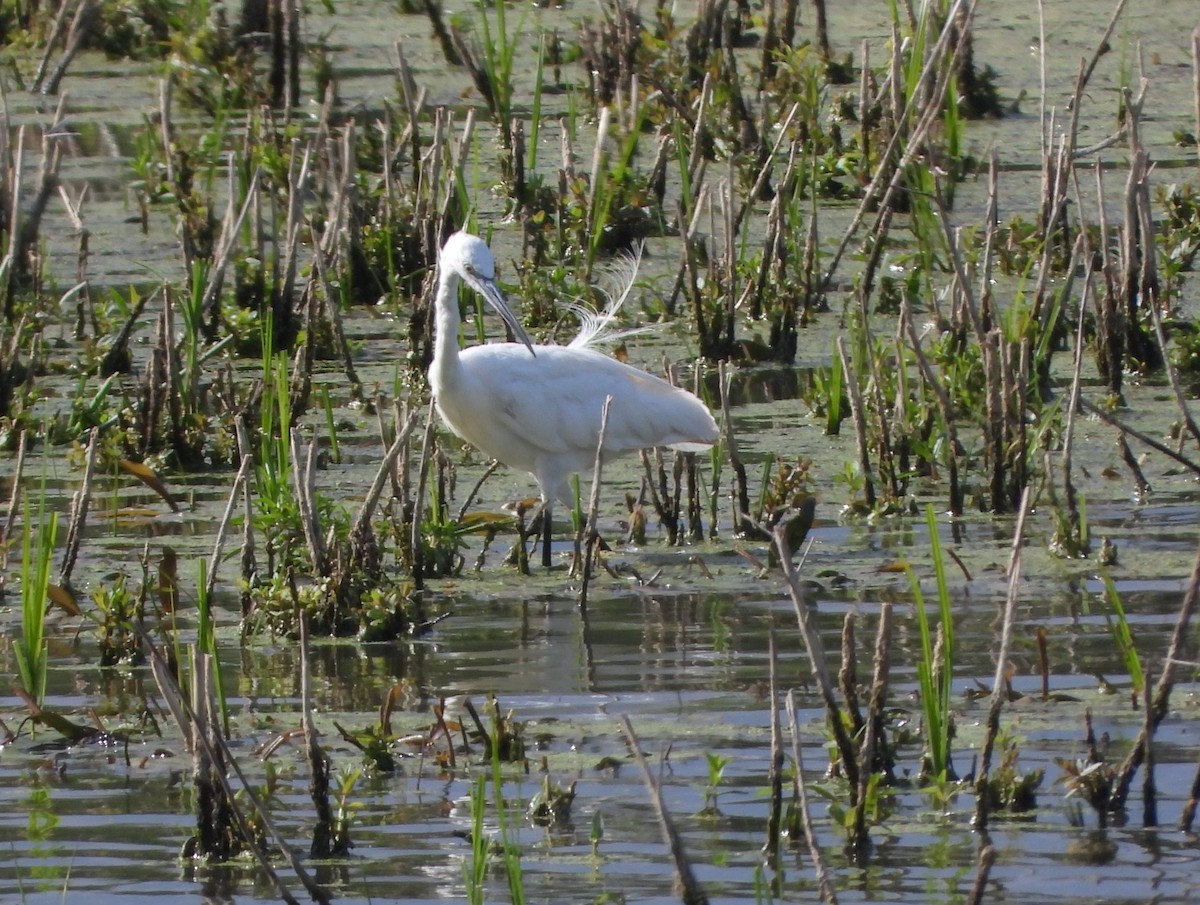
[545,535]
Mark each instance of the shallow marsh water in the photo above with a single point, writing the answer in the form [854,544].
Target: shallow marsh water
[685,657]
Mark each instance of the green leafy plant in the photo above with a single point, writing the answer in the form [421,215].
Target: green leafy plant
[935,667]
[37,551]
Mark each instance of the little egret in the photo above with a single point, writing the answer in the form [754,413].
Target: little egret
[538,408]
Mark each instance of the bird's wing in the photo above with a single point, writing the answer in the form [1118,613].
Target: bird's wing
[554,400]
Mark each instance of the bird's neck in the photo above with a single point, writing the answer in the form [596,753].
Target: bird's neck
[445,337]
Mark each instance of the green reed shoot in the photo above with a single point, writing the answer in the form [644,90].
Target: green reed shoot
[36,556]
[510,848]
[475,870]
[331,425]
[206,639]
[535,116]
[1118,624]
[498,56]
[935,678]
[278,513]
[833,397]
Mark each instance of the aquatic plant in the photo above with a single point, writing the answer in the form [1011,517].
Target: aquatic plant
[936,664]
[38,539]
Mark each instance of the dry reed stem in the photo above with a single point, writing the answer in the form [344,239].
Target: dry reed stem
[14,502]
[189,723]
[1112,420]
[816,659]
[9,265]
[1073,409]
[1149,792]
[999,681]
[930,114]
[57,29]
[1131,462]
[987,857]
[214,561]
[79,511]
[828,896]
[775,773]
[860,423]
[590,532]
[324,835]
[303,482]
[1102,45]
[1185,413]
[1189,807]
[943,402]
[739,493]
[693,892]
[1162,692]
[873,727]
[1196,86]
[416,556]
[848,674]
[81,26]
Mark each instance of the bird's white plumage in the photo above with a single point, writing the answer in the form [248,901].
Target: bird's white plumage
[538,408]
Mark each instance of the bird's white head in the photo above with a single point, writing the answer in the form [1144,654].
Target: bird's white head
[469,258]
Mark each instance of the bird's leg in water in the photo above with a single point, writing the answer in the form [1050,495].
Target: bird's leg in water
[546,535]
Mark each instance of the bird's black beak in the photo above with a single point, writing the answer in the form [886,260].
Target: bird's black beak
[490,291]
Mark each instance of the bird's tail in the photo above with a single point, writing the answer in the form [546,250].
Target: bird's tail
[597,327]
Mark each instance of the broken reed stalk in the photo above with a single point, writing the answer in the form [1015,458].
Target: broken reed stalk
[738,490]
[873,730]
[230,230]
[775,773]
[367,511]
[14,502]
[929,106]
[987,857]
[249,565]
[214,561]
[693,892]
[999,681]
[860,424]
[15,206]
[1185,413]
[1196,86]
[333,312]
[79,511]
[828,896]
[848,674]
[327,840]
[81,27]
[1189,807]
[188,722]
[816,659]
[1069,492]
[1112,420]
[1162,692]
[53,38]
[590,533]
[943,398]
[304,483]
[415,549]
[1149,791]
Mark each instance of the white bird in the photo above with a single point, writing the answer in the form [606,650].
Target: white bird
[538,408]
